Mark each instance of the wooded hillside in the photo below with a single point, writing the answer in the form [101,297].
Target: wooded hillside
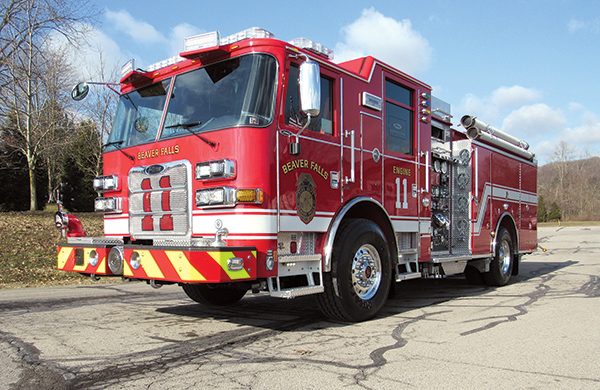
[570,190]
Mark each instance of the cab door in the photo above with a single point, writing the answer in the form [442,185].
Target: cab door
[401,173]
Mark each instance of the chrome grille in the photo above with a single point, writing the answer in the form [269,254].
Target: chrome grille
[159,201]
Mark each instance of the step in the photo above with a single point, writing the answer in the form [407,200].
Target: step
[297,292]
[298,258]
[412,251]
[408,276]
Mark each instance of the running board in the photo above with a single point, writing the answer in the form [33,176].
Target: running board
[297,292]
[408,276]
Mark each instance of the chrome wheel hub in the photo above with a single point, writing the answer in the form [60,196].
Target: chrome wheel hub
[366,272]
[504,256]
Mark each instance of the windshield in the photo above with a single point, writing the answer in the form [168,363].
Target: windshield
[138,116]
[235,92]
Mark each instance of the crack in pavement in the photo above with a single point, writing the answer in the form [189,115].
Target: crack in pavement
[591,288]
[139,364]
[514,370]
[39,306]
[36,372]
[540,291]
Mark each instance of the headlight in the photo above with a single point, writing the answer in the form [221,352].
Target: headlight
[227,196]
[221,196]
[220,169]
[108,205]
[106,183]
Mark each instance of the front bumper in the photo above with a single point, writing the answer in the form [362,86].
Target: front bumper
[169,264]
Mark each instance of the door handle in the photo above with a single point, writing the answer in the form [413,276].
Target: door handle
[352,177]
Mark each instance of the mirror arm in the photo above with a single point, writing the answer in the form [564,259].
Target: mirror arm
[308,119]
[107,85]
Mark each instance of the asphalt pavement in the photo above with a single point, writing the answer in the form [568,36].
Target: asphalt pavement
[540,331]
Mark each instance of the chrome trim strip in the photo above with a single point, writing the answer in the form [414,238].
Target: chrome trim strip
[335,224]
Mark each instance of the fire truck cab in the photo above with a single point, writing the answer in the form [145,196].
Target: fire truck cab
[250,163]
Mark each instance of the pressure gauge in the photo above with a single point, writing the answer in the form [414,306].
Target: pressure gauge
[436,166]
[444,167]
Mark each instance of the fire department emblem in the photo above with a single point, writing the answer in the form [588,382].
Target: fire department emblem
[306,198]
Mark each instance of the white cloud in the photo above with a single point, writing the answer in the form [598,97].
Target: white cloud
[534,120]
[393,41]
[491,108]
[546,127]
[170,43]
[518,111]
[577,25]
[139,30]
[588,132]
[97,54]
[513,96]
[178,33]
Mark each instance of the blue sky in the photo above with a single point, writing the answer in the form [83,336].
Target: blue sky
[529,67]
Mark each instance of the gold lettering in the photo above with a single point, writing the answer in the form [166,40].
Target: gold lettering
[401,171]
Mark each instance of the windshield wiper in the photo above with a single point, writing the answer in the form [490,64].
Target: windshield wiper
[188,127]
[118,144]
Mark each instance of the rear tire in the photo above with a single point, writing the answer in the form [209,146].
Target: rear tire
[502,264]
[215,294]
[359,282]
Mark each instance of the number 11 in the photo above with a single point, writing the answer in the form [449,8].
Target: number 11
[399,203]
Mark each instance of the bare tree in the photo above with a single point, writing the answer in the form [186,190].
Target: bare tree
[100,109]
[25,93]
[563,153]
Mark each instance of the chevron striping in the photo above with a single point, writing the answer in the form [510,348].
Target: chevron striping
[221,259]
[149,265]
[183,267]
[63,256]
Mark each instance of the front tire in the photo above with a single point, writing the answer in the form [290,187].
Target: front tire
[359,282]
[215,294]
[502,264]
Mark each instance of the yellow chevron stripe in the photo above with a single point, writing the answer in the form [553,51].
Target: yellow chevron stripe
[63,256]
[102,265]
[126,269]
[149,265]
[184,268]
[221,259]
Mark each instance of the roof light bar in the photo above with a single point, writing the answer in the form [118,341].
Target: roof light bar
[163,63]
[305,43]
[203,41]
[252,32]
[128,67]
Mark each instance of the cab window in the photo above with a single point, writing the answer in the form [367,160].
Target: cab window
[398,118]
[293,116]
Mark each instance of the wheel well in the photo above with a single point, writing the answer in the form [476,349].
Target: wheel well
[508,223]
[373,212]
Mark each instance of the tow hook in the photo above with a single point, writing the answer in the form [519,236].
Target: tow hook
[155,284]
[94,277]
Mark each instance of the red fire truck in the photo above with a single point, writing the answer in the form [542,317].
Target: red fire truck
[250,163]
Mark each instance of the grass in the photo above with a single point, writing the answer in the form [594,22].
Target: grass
[28,248]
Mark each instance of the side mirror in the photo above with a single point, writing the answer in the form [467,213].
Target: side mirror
[310,88]
[80,91]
